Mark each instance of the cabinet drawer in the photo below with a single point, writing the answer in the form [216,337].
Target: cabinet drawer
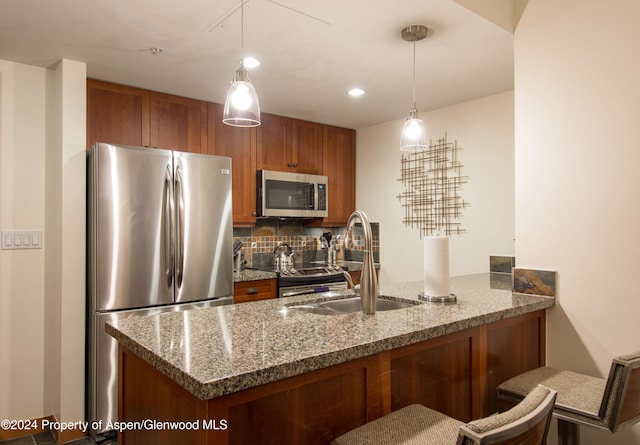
[246,291]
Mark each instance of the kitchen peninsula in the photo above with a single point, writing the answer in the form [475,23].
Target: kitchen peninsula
[265,373]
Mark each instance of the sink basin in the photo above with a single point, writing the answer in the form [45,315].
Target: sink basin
[351,305]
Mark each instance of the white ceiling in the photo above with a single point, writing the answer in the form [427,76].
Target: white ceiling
[312,52]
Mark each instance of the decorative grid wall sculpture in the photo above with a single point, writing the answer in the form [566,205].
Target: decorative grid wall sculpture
[432,180]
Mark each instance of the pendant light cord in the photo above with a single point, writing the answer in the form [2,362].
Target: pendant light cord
[242,33]
[414,74]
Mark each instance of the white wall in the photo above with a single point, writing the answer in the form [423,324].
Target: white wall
[65,263]
[22,154]
[42,186]
[577,114]
[484,131]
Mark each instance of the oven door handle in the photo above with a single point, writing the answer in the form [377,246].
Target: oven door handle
[315,290]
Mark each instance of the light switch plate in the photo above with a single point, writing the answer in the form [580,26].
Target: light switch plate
[21,239]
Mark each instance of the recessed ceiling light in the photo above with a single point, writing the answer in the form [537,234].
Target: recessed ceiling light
[356,92]
[251,62]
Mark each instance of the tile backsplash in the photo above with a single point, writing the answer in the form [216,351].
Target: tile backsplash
[260,241]
[501,264]
[535,282]
[505,275]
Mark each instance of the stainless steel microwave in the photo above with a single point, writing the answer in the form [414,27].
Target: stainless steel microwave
[291,195]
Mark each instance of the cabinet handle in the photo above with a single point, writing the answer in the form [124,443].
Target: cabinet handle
[252,291]
[289,164]
[295,164]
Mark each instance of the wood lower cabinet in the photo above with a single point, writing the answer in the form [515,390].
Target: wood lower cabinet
[355,275]
[455,374]
[117,114]
[240,145]
[247,291]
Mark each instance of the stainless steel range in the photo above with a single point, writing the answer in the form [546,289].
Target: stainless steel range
[310,280]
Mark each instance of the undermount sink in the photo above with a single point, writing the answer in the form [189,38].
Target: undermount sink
[351,305]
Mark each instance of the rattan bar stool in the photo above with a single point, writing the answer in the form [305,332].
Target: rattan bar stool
[526,423]
[609,404]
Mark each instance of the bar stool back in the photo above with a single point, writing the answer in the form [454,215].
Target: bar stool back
[610,404]
[525,424]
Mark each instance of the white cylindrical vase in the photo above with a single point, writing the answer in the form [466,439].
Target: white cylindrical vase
[436,268]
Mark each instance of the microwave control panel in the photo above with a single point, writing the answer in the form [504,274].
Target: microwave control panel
[322,196]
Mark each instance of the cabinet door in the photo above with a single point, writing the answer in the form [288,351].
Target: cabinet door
[238,144]
[117,114]
[306,147]
[274,143]
[178,123]
[339,164]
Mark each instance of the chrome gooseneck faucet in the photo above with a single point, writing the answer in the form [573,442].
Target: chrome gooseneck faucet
[368,278]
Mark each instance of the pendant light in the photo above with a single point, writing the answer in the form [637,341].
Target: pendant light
[414,133]
[241,108]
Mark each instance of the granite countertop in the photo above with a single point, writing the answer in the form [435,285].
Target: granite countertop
[253,275]
[220,350]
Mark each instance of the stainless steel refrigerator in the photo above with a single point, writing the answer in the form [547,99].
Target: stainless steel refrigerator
[159,238]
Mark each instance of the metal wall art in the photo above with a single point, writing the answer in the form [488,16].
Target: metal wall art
[432,180]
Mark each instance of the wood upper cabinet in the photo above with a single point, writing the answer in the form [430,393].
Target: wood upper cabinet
[240,145]
[306,147]
[274,143]
[339,164]
[290,145]
[177,123]
[117,114]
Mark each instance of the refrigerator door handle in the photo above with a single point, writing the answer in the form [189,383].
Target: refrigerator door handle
[168,224]
[179,226]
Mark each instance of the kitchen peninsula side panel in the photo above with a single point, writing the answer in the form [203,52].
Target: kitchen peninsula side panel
[454,373]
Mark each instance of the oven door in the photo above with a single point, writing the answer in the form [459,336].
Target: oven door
[292,291]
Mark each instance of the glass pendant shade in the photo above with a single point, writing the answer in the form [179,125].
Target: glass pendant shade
[241,108]
[414,134]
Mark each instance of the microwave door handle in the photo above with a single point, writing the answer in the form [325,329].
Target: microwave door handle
[179,227]
[314,198]
[168,224]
